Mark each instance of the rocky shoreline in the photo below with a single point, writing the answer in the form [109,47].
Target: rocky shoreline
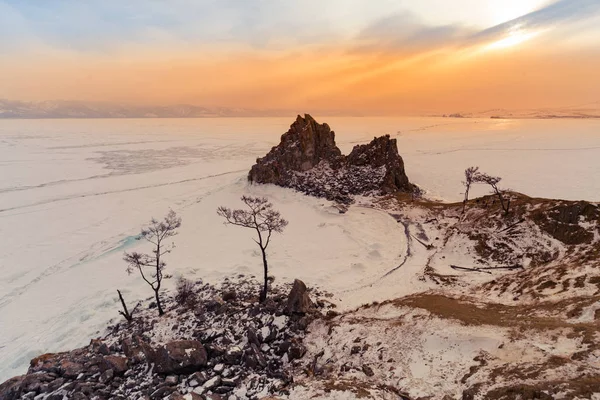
[220,344]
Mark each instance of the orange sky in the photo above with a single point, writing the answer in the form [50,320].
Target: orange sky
[368,73]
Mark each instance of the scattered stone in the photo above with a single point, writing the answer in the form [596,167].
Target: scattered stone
[162,392]
[248,346]
[212,383]
[296,351]
[106,376]
[368,370]
[219,368]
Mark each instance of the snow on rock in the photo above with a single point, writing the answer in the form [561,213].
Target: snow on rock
[307,159]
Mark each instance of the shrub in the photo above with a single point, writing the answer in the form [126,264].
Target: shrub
[185,292]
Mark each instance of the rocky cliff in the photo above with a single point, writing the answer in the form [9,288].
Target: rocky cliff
[307,159]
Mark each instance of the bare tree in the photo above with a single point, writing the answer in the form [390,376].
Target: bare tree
[261,217]
[481,177]
[128,315]
[470,174]
[156,233]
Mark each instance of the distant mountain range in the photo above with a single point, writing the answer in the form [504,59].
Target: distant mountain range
[83,109]
[79,109]
[590,110]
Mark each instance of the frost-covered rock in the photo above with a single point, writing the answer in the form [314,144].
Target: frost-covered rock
[179,357]
[308,160]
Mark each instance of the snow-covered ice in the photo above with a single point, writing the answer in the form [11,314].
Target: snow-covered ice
[74,193]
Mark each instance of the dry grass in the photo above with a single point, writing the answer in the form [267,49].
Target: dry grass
[468,312]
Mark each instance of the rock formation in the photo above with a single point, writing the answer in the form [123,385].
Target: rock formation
[307,159]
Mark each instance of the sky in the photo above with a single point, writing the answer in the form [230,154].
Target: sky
[362,56]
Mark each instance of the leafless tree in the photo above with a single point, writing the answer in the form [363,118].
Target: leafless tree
[156,233]
[125,312]
[470,174]
[261,217]
[481,177]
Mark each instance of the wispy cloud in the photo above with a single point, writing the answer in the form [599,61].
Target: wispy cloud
[559,13]
[405,33]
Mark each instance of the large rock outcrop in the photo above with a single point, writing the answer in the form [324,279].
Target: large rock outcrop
[307,159]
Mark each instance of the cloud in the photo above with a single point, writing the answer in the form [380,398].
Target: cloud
[403,31]
[555,14]
[100,25]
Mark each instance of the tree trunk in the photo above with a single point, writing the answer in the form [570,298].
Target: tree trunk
[263,293]
[160,309]
[125,312]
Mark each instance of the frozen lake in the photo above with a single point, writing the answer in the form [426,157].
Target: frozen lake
[73,193]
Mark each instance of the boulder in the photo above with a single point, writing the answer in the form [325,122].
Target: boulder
[183,356]
[12,388]
[67,364]
[137,350]
[298,300]
[116,363]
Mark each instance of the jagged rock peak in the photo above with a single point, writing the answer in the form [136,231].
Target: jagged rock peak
[305,145]
[383,152]
[307,159]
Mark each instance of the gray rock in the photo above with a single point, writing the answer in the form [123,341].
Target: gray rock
[212,383]
[298,300]
[106,376]
[162,392]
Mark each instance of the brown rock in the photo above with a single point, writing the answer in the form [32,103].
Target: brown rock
[12,388]
[298,300]
[70,369]
[116,363]
[136,350]
[48,362]
[98,346]
[368,371]
[183,356]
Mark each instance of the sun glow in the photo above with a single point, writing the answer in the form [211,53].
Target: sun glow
[515,38]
